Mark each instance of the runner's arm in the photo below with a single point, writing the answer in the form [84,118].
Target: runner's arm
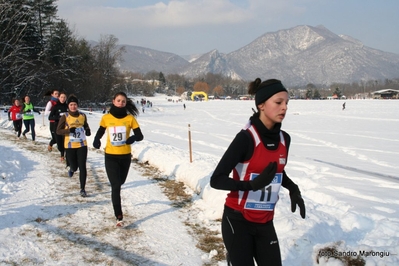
[235,153]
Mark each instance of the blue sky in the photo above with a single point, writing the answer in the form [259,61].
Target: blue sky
[188,27]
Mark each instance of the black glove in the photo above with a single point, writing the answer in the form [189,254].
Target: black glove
[131,139]
[88,132]
[264,178]
[72,129]
[96,143]
[296,199]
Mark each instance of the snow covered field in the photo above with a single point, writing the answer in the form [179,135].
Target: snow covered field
[345,163]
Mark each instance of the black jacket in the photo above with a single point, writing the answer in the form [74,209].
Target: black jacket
[57,111]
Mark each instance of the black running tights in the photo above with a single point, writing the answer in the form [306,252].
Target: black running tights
[246,241]
[77,158]
[117,168]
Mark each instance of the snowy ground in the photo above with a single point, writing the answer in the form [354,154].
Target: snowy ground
[345,163]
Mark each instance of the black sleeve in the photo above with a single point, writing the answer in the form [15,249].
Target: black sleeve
[36,110]
[54,115]
[100,132]
[235,153]
[85,124]
[287,182]
[138,134]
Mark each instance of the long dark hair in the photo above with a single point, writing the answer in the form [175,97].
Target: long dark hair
[48,93]
[23,98]
[130,106]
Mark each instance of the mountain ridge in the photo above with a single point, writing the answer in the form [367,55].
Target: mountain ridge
[298,56]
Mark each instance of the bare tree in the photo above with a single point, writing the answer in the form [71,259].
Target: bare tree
[218,90]
[106,55]
[19,50]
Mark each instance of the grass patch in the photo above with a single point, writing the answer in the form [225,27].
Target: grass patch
[333,252]
[208,240]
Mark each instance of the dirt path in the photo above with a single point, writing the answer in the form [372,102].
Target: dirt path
[60,227]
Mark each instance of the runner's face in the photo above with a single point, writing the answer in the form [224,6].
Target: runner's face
[62,98]
[119,101]
[27,99]
[73,107]
[17,102]
[55,94]
[274,109]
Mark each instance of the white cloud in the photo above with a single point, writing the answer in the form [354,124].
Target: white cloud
[173,14]
[201,25]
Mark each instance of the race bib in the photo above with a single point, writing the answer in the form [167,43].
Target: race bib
[18,116]
[117,135]
[264,199]
[78,136]
[29,113]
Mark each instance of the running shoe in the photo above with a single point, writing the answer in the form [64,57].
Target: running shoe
[119,221]
[70,173]
[49,148]
[24,136]
[83,193]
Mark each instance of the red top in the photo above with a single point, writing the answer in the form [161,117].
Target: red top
[258,206]
[53,103]
[15,112]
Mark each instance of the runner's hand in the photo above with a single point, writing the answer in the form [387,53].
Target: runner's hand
[296,199]
[264,178]
[96,143]
[131,140]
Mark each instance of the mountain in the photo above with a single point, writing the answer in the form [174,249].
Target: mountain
[213,62]
[142,60]
[297,56]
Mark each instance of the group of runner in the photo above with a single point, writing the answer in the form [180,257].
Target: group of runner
[256,158]
[23,111]
[69,129]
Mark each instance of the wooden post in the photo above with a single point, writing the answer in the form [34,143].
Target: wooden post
[189,144]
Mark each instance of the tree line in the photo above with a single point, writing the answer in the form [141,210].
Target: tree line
[40,52]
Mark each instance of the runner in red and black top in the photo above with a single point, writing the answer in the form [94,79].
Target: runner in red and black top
[54,94]
[257,157]
[14,114]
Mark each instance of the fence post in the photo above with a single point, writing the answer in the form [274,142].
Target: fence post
[189,144]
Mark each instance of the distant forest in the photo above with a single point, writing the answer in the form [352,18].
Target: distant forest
[39,52]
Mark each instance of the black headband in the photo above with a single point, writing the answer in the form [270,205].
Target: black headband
[73,99]
[266,91]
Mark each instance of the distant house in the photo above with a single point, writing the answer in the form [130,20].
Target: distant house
[245,97]
[335,97]
[142,81]
[386,94]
